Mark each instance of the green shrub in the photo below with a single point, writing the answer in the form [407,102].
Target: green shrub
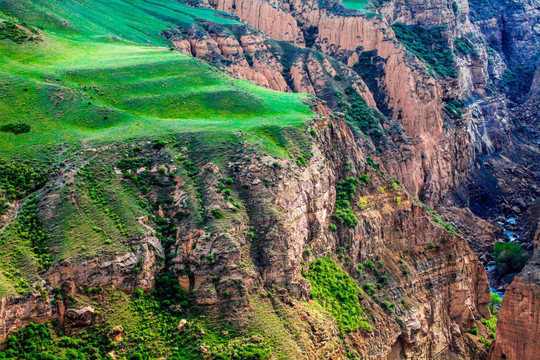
[359,115]
[372,163]
[158,144]
[303,160]
[495,301]
[168,290]
[429,46]
[364,180]
[217,214]
[134,163]
[389,306]
[332,227]
[18,180]
[454,109]
[490,324]
[474,331]
[346,190]
[249,59]
[464,46]
[15,129]
[509,257]
[509,77]
[337,293]
[369,288]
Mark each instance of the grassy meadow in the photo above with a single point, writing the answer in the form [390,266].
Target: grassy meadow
[99,75]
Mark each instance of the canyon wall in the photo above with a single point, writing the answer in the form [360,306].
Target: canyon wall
[519,322]
[441,150]
[440,287]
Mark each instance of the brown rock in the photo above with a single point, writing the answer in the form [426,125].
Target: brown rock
[79,317]
[116,334]
[181,324]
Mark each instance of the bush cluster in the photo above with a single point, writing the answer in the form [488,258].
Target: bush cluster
[18,180]
[30,227]
[359,114]
[465,46]
[17,128]
[338,293]
[346,190]
[428,45]
[509,257]
[454,108]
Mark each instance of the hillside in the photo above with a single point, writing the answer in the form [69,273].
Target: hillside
[253,179]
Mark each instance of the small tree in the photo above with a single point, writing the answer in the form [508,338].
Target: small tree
[509,257]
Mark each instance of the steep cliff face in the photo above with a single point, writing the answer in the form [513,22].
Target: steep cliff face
[277,223]
[519,322]
[512,30]
[441,150]
[274,22]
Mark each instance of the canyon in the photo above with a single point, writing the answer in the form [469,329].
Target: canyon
[400,184]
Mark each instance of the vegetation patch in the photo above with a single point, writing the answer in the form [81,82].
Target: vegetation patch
[509,257]
[345,192]
[496,301]
[437,220]
[24,250]
[30,228]
[359,115]
[150,332]
[16,33]
[18,180]
[491,324]
[454,108]
[15,128]
[428,45]
[465,46]
[337,293]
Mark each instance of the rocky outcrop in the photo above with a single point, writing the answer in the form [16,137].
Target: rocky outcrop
[444,283]
[79,318]
[519,321]
[512,30]
[118,272]
[246,53]
[116,334]
[17,312]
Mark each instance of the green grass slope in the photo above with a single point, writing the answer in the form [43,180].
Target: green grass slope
[101,72]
